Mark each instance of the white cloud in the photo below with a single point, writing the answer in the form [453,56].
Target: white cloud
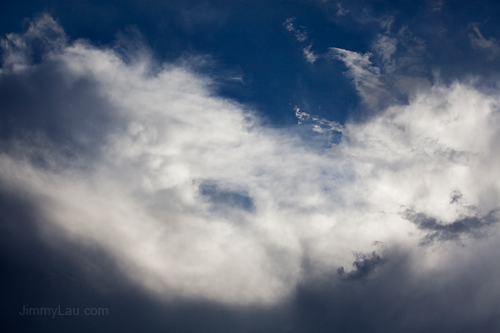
[412,50]
[310,56]
[17,50]
[428,151]
[299,32]
[289,24]
[386,46]
[140,196]
[366,76]
[319,125]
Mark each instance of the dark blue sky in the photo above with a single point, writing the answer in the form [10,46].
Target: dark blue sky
[247,39]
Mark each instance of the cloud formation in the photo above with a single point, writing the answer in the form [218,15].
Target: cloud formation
[364,266]
[301,36]
[467,226]
[299,32]
[195,199]
[310,56]
[366,76]
[479,42]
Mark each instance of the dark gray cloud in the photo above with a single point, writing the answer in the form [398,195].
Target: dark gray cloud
[226,199]
[39,274]
[396,299]
[46,108]
[399,298]
[437,230]
[365,264]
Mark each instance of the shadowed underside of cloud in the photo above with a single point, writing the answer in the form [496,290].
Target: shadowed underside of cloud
[364,265]
[474,226]
[193,200]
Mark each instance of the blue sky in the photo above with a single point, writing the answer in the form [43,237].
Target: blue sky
[298,166]
[246,40]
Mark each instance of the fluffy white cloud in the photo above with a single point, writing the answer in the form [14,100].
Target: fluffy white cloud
[195,199]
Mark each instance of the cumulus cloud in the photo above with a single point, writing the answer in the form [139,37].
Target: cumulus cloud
[185,189]
[195,199]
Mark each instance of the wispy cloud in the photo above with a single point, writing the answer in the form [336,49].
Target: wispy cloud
[366,76]
[436,5]
[386,47]
[302,36]
[479,42]
[320,125]
[341,10]
[299,32]
[310,56]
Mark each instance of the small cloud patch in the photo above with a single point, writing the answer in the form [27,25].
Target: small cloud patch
[364,265]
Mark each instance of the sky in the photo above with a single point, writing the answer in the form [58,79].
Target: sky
[249,166]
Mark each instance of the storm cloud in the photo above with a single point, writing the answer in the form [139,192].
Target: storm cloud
[133,182]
